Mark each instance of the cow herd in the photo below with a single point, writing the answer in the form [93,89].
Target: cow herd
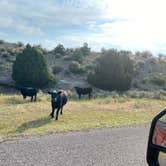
[58,98]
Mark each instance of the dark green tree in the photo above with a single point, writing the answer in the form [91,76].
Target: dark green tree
[30,69]
[77,55]
[59,49]
[113,72]
[85,49]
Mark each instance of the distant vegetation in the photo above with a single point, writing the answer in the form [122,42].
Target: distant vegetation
[76,68]
[159,80]
[76,64]
[73,54]
[57,69]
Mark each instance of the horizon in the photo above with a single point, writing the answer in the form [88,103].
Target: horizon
[124,25]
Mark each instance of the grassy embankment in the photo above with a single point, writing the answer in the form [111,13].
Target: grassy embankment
[19,117]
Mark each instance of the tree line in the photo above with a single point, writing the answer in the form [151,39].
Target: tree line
[113,69]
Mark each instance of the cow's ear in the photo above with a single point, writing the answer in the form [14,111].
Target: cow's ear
[18,87]
[49,92]
[59,92]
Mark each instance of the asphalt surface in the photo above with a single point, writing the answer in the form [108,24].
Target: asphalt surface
[101,147]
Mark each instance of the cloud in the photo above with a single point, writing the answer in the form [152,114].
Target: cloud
[15,17]
[129,24]
[2,35]
[50,12]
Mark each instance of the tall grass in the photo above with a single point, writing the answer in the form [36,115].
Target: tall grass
[21,117]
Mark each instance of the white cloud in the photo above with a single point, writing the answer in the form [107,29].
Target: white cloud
[129,24]
[141,24]
[2,35]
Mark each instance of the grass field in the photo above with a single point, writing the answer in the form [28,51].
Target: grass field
[19,117]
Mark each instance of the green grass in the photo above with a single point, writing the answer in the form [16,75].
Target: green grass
[19,117]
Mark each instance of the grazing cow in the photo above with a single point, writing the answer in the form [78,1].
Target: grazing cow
[58,100]
[84,91]
[26,91]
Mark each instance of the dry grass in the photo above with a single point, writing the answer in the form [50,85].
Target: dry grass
[19,117]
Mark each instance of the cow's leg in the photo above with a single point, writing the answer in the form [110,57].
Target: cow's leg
[35,97]
[79,96]
[31,98]
[57,113]
[61,110]
[90,95]
[52,113]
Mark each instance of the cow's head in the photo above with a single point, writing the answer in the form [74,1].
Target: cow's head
[76,87]
[54,95]
[19,87]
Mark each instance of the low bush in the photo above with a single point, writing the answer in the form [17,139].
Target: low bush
[2,49]
[20,44]
[145,94]
[5,55]
[57,69]
[10,59]
[67,58]
[90,67]
[77,56]
[159,80]
[2,42]
[76,68]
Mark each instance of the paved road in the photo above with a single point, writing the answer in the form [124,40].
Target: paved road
[102,147]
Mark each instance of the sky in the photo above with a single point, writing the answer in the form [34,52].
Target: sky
[135,25]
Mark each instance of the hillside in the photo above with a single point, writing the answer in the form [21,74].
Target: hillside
[149,70]
[8,52]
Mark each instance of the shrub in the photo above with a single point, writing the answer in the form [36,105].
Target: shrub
[11,52]
[69,52]
[85,49]
[58,55]
[135,84]
[159,80]
[145,94]
[2,41]
[75,68]
[89,67]
[67,58]
[77,56]
[145,80]
[5,67]
[30,69]
[60,50]
[113,72]
[5,54]
[57,69]
[67,72]
[2,49]
[10,59]
[20,44]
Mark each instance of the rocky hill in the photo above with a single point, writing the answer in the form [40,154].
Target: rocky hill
[149,70]
[8,52]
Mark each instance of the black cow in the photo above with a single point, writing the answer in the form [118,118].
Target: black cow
[27,91]
[84,91]
[58,100]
